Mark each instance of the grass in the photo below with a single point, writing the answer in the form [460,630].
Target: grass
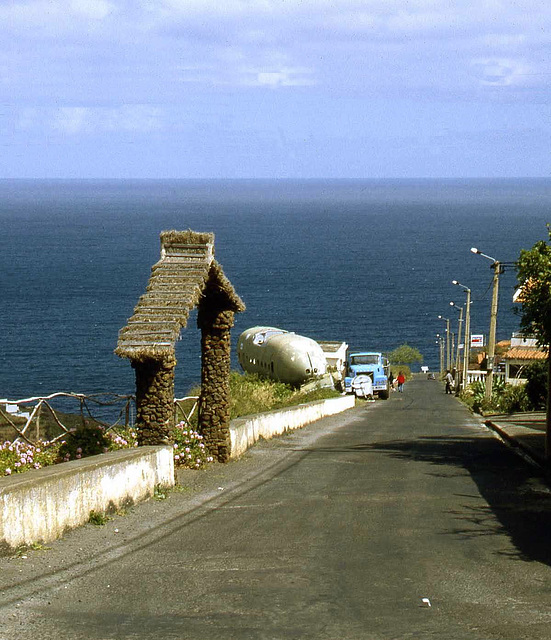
[252,394]
[97,518]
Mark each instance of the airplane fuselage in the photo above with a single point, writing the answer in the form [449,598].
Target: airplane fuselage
[280,355]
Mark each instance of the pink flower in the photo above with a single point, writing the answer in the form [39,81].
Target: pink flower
[8,472]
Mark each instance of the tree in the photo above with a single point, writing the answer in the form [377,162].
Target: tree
[534,278]
[404,354]
[536,384]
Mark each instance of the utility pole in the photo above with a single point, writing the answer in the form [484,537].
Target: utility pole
[441,349]
[447,341]
[493,325]
[467,339]
[458,364]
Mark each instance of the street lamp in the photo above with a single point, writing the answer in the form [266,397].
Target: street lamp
[440,343]
[467,338]
[447,341]
[496,266]
[460,323]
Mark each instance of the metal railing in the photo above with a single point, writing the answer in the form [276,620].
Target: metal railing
[185,408]
[50,418]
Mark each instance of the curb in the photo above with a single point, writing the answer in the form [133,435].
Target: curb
[526,452]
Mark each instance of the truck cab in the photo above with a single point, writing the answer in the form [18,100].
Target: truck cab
[372,364]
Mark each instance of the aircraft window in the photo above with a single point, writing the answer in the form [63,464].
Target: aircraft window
[262,337]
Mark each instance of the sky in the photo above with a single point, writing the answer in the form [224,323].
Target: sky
[275,88]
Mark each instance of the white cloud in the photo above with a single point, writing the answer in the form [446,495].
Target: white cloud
[133,51]
[501,71]
[79,120]
[285,77]
[56,15]
[71,120]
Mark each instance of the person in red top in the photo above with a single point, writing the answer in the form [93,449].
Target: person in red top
[401,379]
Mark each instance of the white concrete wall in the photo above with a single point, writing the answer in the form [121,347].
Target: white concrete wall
[247,430]
[38,506]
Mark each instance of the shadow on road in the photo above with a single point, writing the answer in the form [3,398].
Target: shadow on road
[515,494]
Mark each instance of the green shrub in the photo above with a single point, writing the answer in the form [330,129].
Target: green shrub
[536,385]
[514,399]
[505,398]
[189,450]
[395,368]
[83,442]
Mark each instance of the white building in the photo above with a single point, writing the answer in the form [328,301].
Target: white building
[523,351]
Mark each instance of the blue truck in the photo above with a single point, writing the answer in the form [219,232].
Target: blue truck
[372,364]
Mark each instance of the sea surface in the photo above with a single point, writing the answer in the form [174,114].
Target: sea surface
[366,262]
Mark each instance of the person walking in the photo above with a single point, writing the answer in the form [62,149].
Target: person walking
[400,379]
[449,382]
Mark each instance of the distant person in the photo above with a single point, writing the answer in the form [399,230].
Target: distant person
[391,381]
[449,382]
[401,379]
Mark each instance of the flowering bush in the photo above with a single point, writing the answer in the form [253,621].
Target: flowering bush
[83,442]
[123,438]
[16,457]
[189,448]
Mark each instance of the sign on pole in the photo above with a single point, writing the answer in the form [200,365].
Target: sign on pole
[477,341]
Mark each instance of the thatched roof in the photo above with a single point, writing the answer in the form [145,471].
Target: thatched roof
[177,283]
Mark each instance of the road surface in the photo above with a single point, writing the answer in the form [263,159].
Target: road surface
[395,520]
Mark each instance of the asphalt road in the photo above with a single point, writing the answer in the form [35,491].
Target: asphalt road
[346,529]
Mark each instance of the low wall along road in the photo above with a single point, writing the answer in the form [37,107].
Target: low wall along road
[39,506]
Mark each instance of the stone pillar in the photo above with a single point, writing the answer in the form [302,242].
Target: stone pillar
[214,401]
[154,400]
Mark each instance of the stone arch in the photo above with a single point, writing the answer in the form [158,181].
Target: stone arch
[186,276]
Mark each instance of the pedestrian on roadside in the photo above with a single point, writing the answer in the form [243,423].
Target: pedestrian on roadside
[391,381]
[401,379]
[449,382]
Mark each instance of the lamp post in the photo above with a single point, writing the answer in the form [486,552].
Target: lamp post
[467,338]
[440,343]
[496,266]
[452,351]
[447,341]
[457,361]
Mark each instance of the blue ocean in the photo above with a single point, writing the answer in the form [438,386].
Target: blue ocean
[366,262]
